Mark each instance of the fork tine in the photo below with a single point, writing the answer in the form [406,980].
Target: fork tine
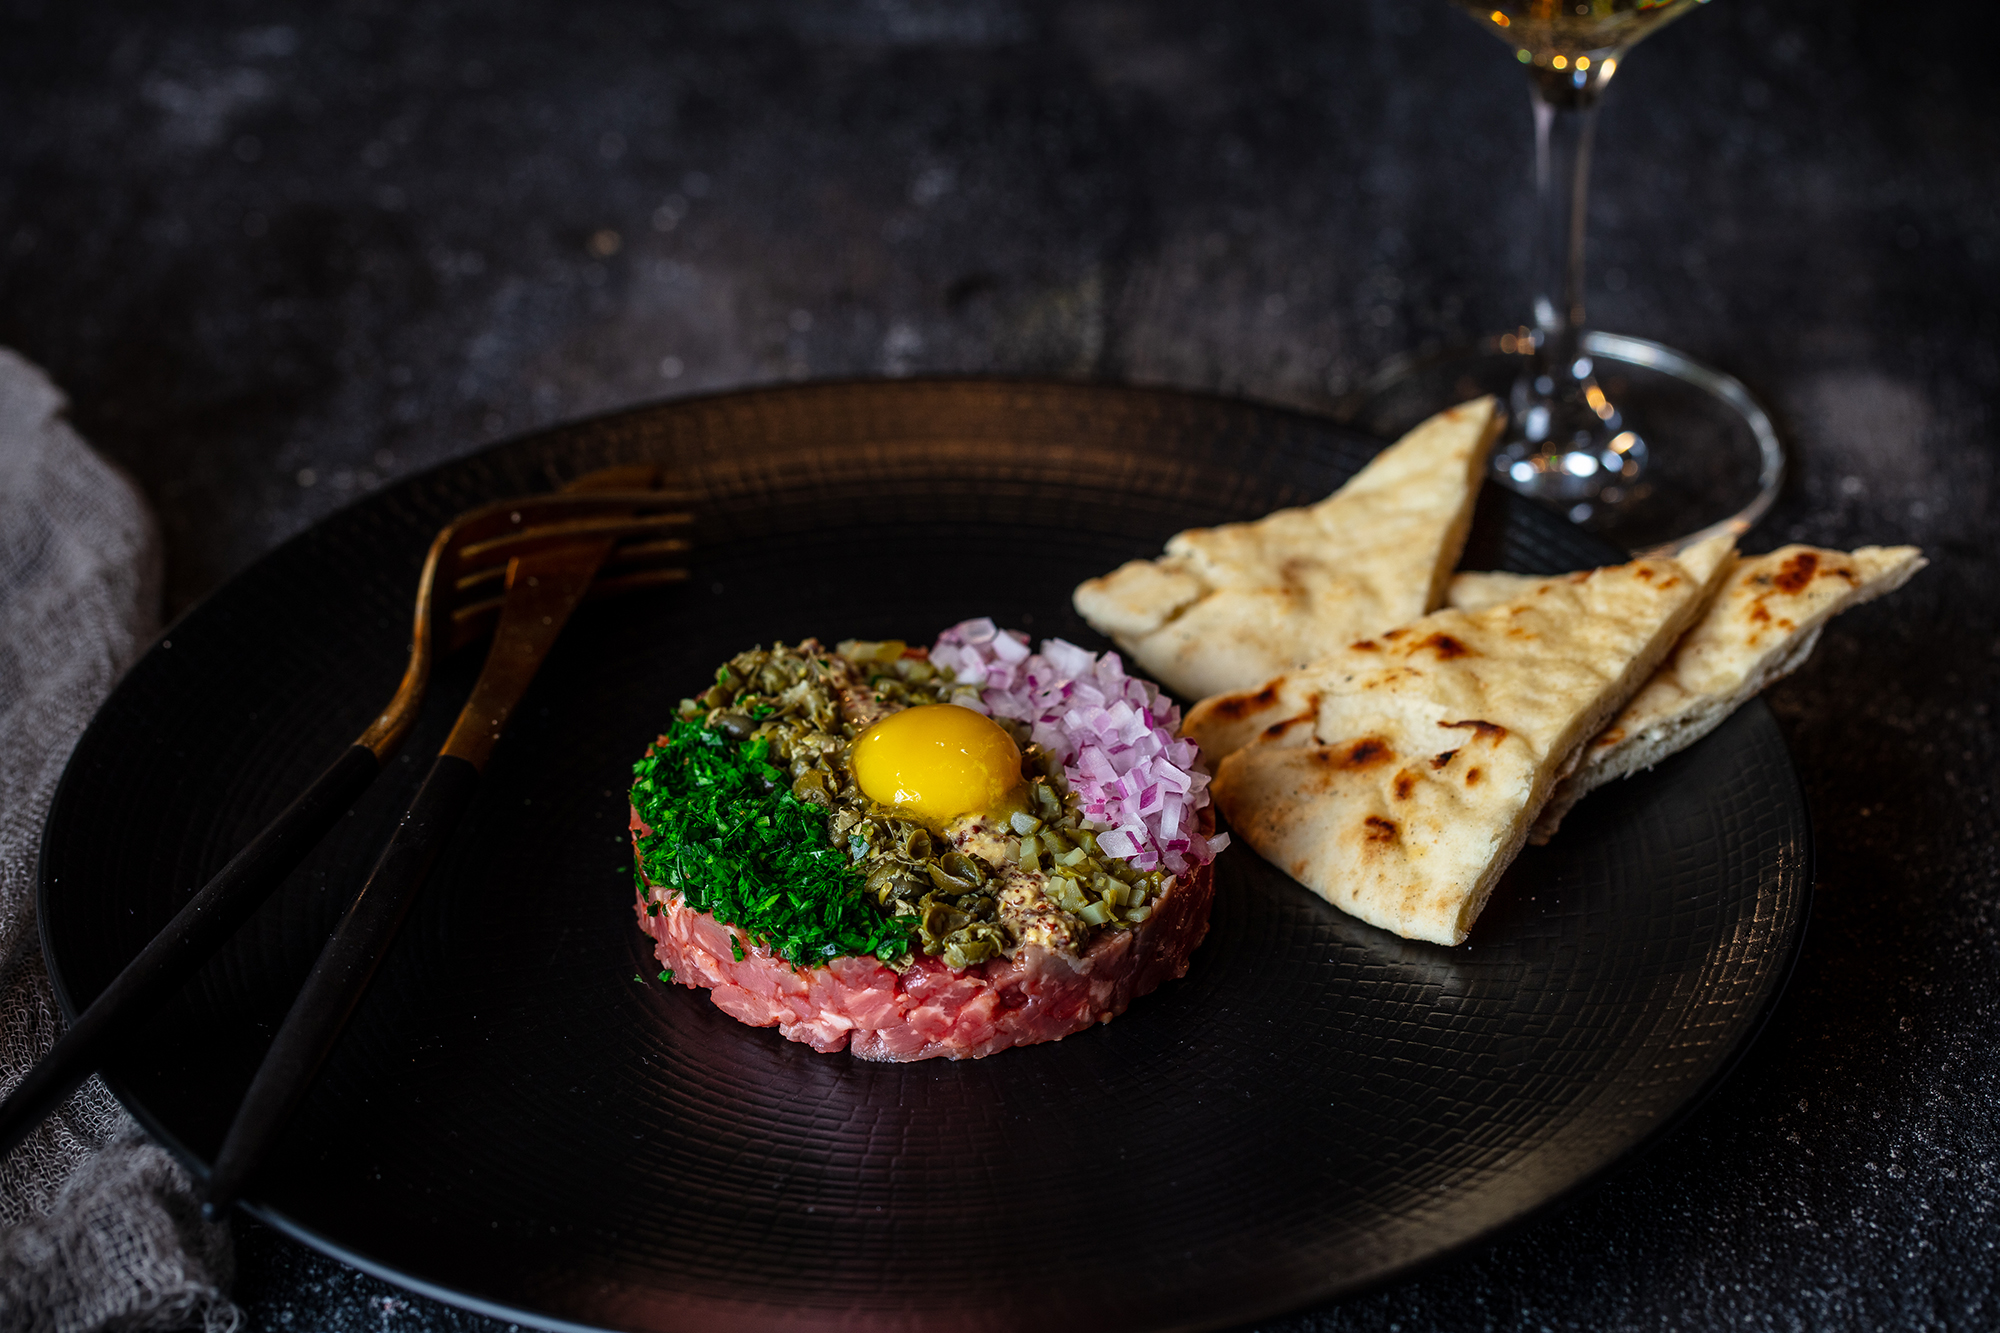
[627,552]
[492,556]
[649,578]
[507,517]
[614,503]
[545,536]
[623,554]
[474,620]
[640,563]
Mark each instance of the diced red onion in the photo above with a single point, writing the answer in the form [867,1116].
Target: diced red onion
[1140,785]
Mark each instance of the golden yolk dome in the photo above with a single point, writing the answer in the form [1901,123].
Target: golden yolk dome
[937,761]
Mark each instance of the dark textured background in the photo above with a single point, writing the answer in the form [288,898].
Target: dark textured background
[279,254]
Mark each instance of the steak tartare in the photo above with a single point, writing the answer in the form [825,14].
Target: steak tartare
[980,847]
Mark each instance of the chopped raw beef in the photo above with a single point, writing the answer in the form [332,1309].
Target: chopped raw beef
[929,1010]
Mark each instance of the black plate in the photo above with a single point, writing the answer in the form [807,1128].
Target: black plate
[517,1124]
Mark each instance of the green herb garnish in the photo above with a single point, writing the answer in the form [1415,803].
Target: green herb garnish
[728,834]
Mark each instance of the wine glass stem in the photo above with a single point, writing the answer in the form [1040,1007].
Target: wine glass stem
[1563,131]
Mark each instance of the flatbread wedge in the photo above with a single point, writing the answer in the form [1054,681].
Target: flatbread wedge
[1230,607]
[1764,622]
[1709,560]
[1398,776]
[1471,590]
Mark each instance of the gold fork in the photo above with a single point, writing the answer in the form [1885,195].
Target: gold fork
[623,515]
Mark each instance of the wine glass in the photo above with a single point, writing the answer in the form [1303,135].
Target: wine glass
[1631,438]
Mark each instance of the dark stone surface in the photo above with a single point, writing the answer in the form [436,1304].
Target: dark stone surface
[278,254]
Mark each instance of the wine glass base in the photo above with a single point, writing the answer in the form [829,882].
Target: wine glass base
[1597,473]
[1708,459]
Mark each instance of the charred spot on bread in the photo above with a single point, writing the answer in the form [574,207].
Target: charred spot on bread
[1366,646]
[1277,730]
[1235,707]
[1405,783]
[1377,829]
[1368,752]
[1491,732]
[1797,572]
[1441,759]
[1472,776]
[1445,646]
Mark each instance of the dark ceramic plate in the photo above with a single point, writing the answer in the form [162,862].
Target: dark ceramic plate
[517,1123]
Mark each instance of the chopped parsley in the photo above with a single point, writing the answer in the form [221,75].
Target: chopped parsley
[728,834]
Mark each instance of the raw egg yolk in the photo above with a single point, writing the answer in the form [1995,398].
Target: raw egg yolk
[937,761]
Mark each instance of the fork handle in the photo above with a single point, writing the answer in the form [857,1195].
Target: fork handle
[178,951]
[345,967]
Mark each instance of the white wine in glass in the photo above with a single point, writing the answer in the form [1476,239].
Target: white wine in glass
[1572,37]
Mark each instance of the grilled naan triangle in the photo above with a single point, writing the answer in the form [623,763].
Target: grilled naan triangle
[1764,622]
[1230,607]
[1398,776]
[1760,627]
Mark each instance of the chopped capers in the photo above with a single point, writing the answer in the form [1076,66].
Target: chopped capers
[973,944]
[946,881]
[960,866]
[939,920]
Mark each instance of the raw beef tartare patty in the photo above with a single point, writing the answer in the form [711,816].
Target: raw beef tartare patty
[911,853]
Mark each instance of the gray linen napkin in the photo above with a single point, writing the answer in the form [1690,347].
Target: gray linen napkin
[99,1228]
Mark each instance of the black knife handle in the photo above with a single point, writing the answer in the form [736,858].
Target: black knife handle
[215,913]
[345,967]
